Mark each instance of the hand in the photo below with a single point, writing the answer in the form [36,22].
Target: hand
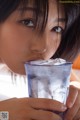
[32,109]
[73,104]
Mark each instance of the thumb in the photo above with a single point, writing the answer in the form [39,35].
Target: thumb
[73,93]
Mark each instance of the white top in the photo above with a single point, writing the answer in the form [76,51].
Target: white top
[15,85]
[12,84]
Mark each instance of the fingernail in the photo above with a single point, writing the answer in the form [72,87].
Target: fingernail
[64,108]
[70,105]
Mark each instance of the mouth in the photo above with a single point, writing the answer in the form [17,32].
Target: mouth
[33,59]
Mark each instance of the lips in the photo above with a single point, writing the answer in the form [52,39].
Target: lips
[32,58]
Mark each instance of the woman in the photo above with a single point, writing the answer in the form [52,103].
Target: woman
[30,30]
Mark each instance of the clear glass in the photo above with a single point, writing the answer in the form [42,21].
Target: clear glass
[48,80]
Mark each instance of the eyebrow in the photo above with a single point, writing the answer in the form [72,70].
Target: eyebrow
[27,8]
[61,20]
[33,9]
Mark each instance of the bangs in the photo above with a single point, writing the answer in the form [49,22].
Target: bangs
[40,13]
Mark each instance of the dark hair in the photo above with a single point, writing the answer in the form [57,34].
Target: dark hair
[8,6]
[70,42]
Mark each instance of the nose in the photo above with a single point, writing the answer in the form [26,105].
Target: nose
[39,44]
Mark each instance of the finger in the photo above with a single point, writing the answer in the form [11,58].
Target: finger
[44,115]
[47,104]
[77,117]
[72,112]
[73,93]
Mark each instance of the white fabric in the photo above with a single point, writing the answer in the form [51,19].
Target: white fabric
[12,84]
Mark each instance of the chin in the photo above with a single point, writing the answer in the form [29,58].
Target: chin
[20,71]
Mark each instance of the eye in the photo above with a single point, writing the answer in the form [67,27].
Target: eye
[27,22]
[58,29]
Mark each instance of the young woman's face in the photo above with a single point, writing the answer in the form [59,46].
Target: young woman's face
[19,42]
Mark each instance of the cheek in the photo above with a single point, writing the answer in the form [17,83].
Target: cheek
[54,42]
[13,47]
[13,40]
[52,46]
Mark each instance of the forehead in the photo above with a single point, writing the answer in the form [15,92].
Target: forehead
[56,13]
[54,6]
[55,9]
